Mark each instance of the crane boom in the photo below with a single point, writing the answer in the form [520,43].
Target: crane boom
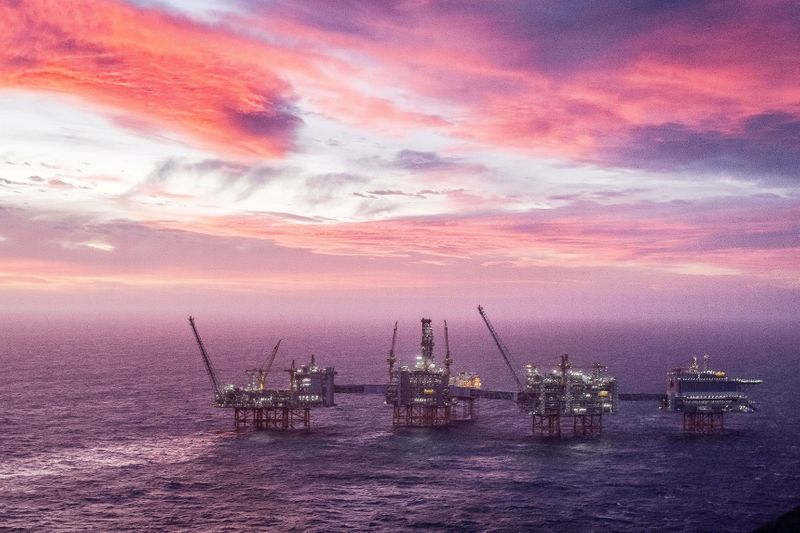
[271,360]
[448,359]
[391,359]
[502,347]
[207,360]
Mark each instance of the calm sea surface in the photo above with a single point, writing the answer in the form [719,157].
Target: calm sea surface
[109,426]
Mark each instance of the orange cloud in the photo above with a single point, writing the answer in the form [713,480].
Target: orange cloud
[167,71]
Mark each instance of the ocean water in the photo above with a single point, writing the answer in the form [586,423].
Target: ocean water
[109,426]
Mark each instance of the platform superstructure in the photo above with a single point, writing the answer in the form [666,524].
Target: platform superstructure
[470,380]
[704,396]
[421,395]
[550,394]
[563,391]
[256,405]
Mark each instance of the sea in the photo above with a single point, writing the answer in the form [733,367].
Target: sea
[107,424]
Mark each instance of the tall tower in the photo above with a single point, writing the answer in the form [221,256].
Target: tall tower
[448,358]
[426,357]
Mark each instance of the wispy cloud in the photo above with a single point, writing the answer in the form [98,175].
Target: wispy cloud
[239,180]
[751,236]
[432,162]
[323,188]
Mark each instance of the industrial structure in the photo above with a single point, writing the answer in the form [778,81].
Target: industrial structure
[428,395]
[425,395]
[704,396]
[561,392]
[282,409]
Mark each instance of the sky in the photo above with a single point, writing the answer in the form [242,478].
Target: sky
[564,160]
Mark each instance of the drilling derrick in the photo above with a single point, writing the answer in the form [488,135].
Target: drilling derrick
[281,409]
[704,396]
[421,395]
[563,392]
[425,360]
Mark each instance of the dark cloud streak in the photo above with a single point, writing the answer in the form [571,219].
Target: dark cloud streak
[765,147]
[419,161]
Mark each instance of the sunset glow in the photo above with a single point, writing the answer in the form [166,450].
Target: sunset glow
[555,156]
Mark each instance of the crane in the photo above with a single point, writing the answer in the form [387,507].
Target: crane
[502,347]
[207,360]
[448,359]
[258,376]
[391,359]
[262,381]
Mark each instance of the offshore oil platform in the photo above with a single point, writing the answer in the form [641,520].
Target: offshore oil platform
[278,409]
[704,396]
[425,395]
[561,392]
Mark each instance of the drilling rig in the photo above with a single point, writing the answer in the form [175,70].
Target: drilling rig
[422,395]
[561,392]
[279,409]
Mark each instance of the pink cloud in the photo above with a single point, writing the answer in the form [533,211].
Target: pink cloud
[757,238]
[160,70]
[517,75]
[653,257]
[551,79]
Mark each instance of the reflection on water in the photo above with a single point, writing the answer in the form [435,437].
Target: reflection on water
[71,461]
